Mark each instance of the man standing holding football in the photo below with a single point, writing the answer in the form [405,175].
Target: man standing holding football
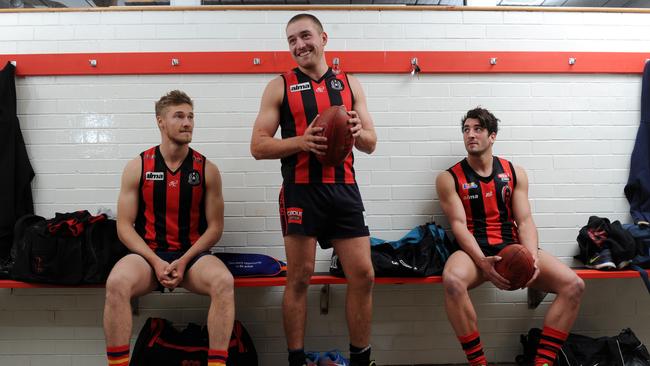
[317,202]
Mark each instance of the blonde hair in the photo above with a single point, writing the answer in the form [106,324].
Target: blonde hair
[174,97]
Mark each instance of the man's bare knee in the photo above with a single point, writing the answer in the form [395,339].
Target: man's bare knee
[574,289]
[453,284]
[222,284]
[362,278]
[298,277]
[118,288]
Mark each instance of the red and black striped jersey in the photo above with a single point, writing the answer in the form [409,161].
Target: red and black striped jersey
[303,100]
[488,201]
[171,206]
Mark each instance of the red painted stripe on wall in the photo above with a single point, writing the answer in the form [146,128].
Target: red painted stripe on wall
[350,61]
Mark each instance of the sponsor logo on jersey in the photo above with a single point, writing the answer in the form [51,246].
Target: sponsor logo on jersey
[504,177]
[173,184]
[489,194]
[320,89]
[294,215]
[470,197]
[154,176]
[336,84]
[194,178]
[300,87]
[470,185]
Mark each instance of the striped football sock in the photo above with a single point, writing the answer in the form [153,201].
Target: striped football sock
[118,356]
[217,357]
[473,349]
[549,345]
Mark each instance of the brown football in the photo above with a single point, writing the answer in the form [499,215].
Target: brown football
[334,121]
[516,265]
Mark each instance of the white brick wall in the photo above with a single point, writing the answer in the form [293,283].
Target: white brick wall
[574,134]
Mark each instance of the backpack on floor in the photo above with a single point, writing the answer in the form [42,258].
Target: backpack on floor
[160,343]
[624,349]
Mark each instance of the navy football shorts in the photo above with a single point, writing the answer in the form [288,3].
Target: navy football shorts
[325,211]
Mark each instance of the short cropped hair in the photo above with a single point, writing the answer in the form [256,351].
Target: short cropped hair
[174,97]
[486,119]
[295,18]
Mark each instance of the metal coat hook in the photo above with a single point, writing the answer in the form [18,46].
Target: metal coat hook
[415,69]
[175,62]
[336,65]
[93,63]
[493,61]
[257,61]
[572,60]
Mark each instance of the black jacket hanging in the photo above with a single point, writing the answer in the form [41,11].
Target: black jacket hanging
[17,173]
[637,189]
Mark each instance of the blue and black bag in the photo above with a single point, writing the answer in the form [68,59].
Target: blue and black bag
[422,252]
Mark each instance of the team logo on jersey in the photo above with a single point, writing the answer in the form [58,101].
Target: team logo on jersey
[504,177]
[294,215]
[154,176]
[470,185]
[194,178]
[300,87]
[336,84]
[506,195]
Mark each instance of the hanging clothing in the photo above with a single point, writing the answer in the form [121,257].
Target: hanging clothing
[17,173]
[637,189]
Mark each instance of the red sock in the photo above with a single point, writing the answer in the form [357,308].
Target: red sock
[118,356]
[473,349]
[217,357]
[549,345]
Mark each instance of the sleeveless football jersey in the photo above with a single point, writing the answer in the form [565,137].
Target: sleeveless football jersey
[171,206]
[488,201]
[303,100]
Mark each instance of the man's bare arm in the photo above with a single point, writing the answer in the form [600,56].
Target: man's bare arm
[526,227]
[127,209]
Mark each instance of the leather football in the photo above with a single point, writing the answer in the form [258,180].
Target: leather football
[334,121]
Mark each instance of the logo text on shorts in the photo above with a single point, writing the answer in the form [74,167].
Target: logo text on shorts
[294,215]
[154,176]
[300,87]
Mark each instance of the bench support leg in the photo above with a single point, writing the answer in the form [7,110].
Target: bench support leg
[324,299]
[535,297]
[135,306]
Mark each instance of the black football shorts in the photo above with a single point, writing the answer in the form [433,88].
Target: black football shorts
[321,210]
